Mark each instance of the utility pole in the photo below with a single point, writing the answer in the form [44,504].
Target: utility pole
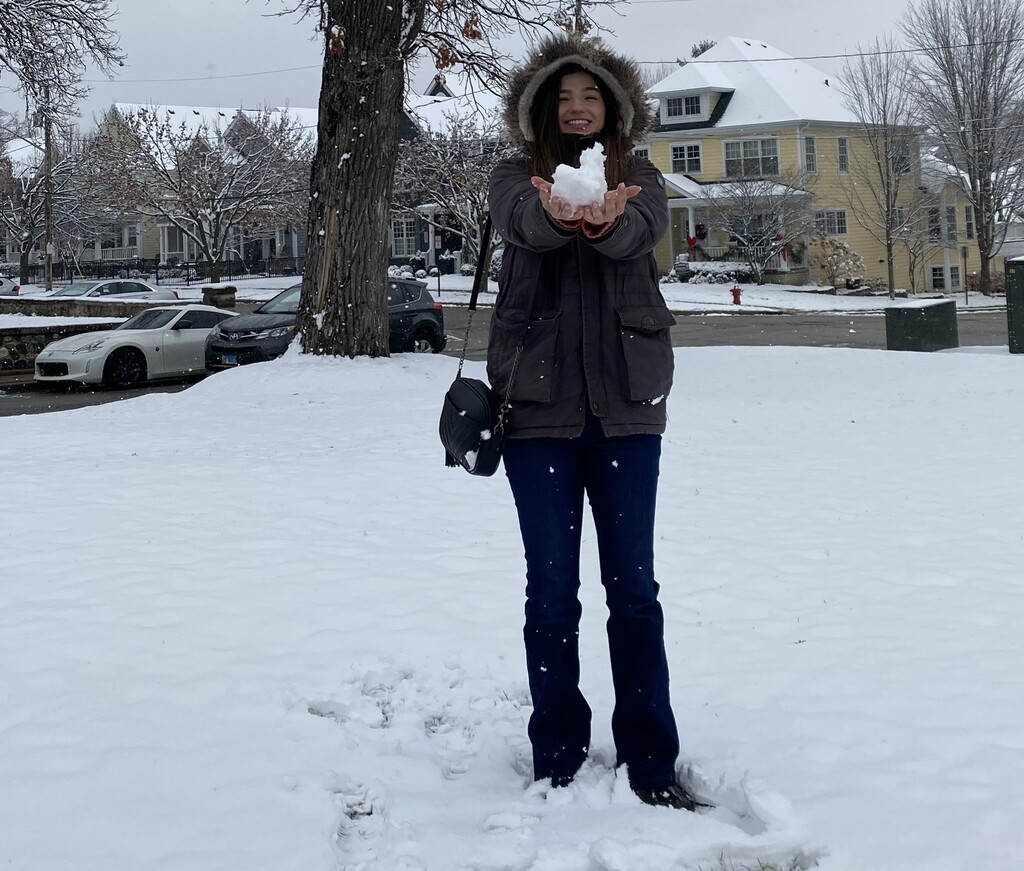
[47,192]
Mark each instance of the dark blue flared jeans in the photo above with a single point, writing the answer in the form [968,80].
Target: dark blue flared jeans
[549,477]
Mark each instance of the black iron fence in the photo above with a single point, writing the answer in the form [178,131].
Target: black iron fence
[66,271]
[230,270]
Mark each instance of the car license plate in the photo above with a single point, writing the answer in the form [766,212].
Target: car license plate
[229,359]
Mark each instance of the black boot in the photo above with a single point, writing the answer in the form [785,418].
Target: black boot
[673,796]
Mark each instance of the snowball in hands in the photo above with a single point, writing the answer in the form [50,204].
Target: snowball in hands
[583,186]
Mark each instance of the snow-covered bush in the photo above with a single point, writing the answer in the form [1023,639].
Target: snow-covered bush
[720,272]
[467,269]
[836,260]
[433,272]
[494,270]
[421,273]
[670,277]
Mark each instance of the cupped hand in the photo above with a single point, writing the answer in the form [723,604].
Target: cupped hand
[558,208]
[613,205]
[607,210]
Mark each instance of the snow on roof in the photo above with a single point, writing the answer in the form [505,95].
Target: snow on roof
[432,113]
[682,186]
[768,85]
[936,174]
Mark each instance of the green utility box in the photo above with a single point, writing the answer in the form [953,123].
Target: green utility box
[922,326]
[1015,305]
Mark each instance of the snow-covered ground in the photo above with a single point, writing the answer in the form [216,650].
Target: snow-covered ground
[455,289]
[718,297]
[258,625]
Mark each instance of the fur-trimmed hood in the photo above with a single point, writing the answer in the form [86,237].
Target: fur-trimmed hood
[620,74]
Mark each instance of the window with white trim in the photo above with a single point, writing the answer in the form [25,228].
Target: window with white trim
[686,158]
[643,151]
[674,107]
[954,277]
[938,278]
[951,223]
[751,158]
[899,156]
[843,144]
[810,154]
[691,105]
[934,225]
[969,221]
[899,219]
[403,238]
[830,222]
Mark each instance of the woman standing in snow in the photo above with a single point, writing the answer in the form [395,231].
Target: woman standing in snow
[588,401]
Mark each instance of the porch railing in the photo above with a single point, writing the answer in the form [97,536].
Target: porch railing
[726,252]
[128,253]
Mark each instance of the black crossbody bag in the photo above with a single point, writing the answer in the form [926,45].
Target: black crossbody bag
[472,425]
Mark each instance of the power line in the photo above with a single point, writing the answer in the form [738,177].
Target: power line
[200,78]
[674,61]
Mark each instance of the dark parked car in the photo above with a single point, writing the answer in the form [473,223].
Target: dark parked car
[416,324]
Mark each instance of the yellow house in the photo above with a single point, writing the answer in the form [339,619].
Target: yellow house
[746,110]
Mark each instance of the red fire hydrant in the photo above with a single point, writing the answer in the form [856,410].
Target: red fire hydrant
[735,294]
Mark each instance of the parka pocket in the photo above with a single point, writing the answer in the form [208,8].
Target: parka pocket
[647,349]
[535,374]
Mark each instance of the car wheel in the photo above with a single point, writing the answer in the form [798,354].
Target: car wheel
[424,341]
[126,367]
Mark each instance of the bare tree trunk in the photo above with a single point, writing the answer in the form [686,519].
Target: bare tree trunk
[970,68]
[23,264]
[344,296]
[892,266]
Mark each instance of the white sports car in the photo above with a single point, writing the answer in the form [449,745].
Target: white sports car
[114,288]
[163,342]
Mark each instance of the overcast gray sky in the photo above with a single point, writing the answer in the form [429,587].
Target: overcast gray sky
[236,55]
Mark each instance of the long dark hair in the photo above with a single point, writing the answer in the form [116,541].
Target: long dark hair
[551,146]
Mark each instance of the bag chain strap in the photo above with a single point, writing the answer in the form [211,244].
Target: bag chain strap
[506,405]
[478,280]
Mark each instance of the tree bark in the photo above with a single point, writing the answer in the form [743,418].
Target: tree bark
[23,264]
[343,309]
[890,265]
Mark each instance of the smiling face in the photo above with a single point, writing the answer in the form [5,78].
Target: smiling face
[580,105]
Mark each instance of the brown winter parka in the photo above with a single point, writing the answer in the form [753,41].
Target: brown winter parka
[599,326]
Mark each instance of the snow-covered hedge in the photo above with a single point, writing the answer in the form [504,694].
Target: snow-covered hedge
[494,271]
[720,272]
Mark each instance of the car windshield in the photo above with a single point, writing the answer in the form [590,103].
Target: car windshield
[151,319]
[286,303]
[80,289]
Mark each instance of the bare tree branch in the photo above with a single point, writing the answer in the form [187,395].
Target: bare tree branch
[368,48]
[207,178]
[451,169]
[764,216]
[970,83]
[46,44]
[878,88]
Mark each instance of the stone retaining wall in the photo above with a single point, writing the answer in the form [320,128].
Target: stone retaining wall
[20,345]
[75,308]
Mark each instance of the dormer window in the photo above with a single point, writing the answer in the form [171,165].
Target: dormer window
[684,107]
